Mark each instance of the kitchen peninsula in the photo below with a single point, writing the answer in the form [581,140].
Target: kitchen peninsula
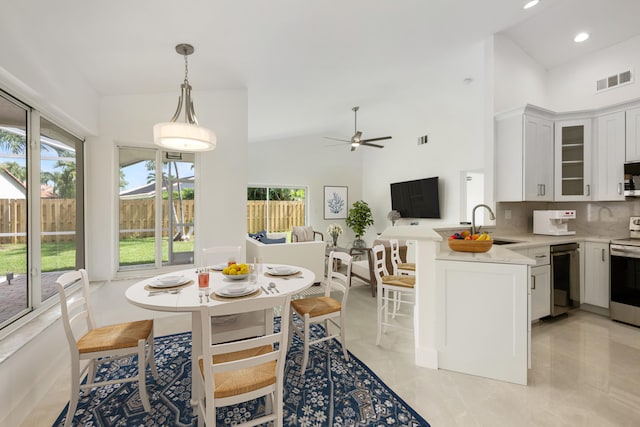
[472,309]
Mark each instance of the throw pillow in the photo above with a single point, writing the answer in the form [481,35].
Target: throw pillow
[268,241]
[303,234]
[259,235]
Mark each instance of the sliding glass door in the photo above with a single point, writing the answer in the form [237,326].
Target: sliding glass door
[41,208]
[14,179]
[157,203]
[61,204]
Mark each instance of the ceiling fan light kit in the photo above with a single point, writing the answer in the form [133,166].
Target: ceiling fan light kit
[356,140]
[187,135]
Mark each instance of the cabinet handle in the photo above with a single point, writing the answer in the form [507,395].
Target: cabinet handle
[544,190]
[588,190]
[602,255]
[619,188]
[533,282]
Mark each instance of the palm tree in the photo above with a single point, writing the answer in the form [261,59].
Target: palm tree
[12,143]
[15,169]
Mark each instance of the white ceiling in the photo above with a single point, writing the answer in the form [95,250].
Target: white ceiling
[305,64]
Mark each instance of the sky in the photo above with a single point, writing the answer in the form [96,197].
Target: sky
[136,174]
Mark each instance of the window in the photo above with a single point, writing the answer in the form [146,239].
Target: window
[275,209]
[41,208]
[156,208]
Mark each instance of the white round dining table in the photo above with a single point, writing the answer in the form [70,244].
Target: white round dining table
[188,300]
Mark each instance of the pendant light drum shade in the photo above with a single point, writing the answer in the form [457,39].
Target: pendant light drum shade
[183,136]
[187,135]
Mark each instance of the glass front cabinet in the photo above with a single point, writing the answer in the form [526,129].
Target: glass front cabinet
[573,160]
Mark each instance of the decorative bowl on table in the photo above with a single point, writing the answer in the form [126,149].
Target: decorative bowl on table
[236,271]
[235,276]
[461,245]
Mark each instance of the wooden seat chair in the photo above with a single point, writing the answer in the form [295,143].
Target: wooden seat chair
[388,285]
[399,266]
[101,344]
[325,309]
[245,369]
[305,234]
[396,263]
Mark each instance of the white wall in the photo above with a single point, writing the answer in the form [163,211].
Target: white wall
[444,107]
[221,174]
[572,86]
[42,79]
[448,110]
[518,78]
[310,161]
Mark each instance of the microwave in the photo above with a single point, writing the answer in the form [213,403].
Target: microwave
[632,179]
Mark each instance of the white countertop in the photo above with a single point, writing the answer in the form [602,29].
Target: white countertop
[531,240]
[496,255]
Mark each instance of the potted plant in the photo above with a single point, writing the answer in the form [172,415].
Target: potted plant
[359,219]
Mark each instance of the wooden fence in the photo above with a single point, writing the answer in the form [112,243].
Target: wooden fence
[282,215]
[137,217]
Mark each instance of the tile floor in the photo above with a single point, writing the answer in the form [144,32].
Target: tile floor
[585,372]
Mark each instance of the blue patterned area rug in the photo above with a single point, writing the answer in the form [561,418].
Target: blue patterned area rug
[333,392]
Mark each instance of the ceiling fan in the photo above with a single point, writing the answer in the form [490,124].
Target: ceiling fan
[356,140]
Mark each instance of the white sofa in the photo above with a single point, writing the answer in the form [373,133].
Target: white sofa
[310,255]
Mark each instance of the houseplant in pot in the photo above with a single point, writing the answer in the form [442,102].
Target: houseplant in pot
[358,220]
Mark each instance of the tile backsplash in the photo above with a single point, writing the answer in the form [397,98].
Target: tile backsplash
[607,219]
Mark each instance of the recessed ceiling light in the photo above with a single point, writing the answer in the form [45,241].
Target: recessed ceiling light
[580,37]
[530,4]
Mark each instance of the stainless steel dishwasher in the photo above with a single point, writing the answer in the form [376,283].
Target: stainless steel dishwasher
[565,278]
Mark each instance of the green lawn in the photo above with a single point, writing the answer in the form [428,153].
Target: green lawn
[142,250]
[61,256]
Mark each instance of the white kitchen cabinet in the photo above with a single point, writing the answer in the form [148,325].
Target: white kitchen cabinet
[482,318]
[596,274]
[609,158]
[524,155]
[633,135]
[540,280]
[540,291]
[573,160]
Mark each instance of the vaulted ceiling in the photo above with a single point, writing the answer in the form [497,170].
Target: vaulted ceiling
[305,64]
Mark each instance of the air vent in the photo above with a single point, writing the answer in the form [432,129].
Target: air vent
[615,80]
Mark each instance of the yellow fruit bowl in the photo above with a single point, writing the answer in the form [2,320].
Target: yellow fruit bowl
[235,276]
[460,245]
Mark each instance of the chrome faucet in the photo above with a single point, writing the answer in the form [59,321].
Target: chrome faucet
[473,217]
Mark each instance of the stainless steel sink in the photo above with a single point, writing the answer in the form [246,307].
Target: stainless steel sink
[504,242]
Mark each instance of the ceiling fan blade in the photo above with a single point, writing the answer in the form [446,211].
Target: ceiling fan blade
[371,145]
[336,139]
[382,138]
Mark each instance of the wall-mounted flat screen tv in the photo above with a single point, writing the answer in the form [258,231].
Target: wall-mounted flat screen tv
[416,199]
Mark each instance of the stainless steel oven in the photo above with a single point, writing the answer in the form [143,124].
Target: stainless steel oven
[625,281]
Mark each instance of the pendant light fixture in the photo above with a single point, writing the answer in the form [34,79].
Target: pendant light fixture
[187,135]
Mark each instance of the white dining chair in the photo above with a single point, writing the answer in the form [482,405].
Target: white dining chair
[387,285]
[397,264]
[102,344]
[220,254]
[325,309]
[244,369]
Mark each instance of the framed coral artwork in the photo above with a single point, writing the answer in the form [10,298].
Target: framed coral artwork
[335,202]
